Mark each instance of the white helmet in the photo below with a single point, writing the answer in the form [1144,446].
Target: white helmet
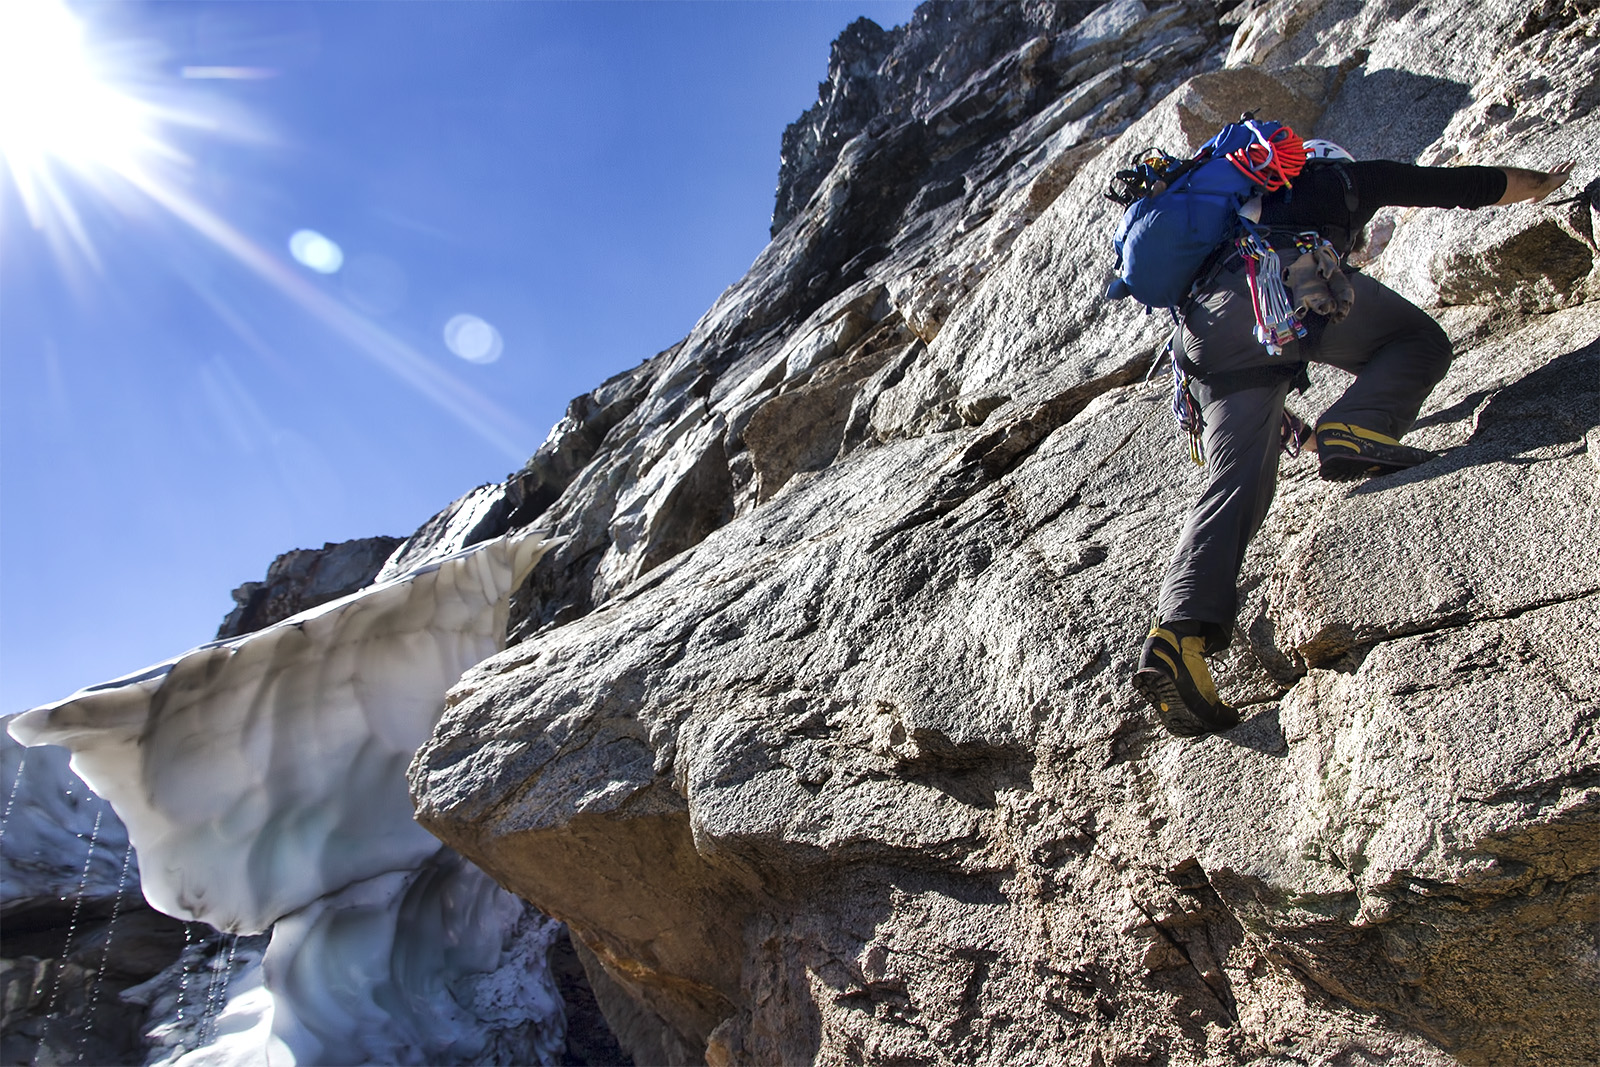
[1316,148]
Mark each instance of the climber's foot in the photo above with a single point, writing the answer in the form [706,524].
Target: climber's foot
[1174,679]
[1347,453]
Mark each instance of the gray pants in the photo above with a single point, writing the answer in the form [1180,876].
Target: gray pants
[1398,355]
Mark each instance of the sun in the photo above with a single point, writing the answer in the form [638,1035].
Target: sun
[57,108]
[72,132]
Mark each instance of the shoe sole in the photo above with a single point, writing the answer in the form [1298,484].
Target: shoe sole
[1355,468]
[1372,460]
[1161,693]
[1352,469]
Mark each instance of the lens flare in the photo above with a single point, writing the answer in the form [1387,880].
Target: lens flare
[316,251]
[63,115]
[473,339]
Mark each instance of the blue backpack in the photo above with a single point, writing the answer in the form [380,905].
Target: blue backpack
[1166,237]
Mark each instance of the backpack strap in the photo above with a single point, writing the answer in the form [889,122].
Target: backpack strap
[1341,237]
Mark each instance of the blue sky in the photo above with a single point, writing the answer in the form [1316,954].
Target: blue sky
[181,400]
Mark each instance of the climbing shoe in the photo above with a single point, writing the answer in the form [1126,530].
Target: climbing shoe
[1348,452]
[1173,677]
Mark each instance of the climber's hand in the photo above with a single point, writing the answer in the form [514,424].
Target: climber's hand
[1523,184]
[1343,295]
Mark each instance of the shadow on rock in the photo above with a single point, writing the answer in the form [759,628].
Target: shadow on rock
[1416,110]
[1262,733]
[1558,404]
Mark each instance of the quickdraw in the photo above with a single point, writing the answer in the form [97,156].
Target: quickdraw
[1276,324]
[1186,410]
[1293,433]
[1309,241]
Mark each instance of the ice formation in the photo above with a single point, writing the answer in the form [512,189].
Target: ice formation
[49,814]
[262,783]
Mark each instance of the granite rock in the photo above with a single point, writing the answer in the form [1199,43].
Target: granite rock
[813,724]
[831,758]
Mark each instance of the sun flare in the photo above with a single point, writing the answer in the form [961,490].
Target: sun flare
[57,108]
[72,133]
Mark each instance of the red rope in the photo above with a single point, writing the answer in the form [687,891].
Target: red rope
[1272,164]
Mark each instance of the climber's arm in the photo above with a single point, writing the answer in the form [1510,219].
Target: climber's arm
[1383,182]
[1386,183]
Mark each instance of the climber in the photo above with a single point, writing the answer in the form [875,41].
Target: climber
[1239,386]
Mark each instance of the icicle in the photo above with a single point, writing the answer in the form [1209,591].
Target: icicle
[183,982]
[72,932]
[202,1036]
[222,991]
[217,992]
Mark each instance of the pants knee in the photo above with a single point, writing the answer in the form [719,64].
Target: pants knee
[1434,351]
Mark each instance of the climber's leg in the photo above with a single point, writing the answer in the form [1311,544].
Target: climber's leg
[1241,450]
[1398,354]
[1241,399]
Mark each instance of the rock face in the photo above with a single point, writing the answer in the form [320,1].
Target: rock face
[303,579]
[815,728]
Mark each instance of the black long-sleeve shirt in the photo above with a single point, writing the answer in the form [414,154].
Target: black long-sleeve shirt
[1320,198]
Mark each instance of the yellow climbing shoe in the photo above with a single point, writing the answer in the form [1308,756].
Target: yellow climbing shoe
[1174,679]
[1346,453]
